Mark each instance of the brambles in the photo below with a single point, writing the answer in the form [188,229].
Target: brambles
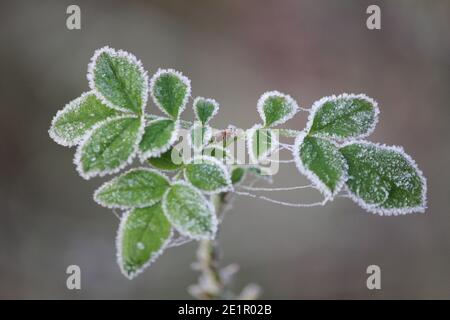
[110,127]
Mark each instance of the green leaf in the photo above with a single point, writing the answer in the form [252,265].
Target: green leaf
[159,136]
[109,147]
[276,108]
[119,80]
[170,91]
[261,143]
[208,174]
[321,161]
[343,117]
[205,109]
[237,175]
[384,180]
[136,188]
[199,136]
[165,161]
[189,212]
[143,234]
[72,123]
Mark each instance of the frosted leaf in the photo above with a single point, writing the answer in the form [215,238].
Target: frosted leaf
[205,109]
[189,212]
[142,237]
[199,136]
[170,91]
[237,175]
[321,161]
[165,162]
[276,108]
[139,187]
[119,80]
[208,174]
[159,136]
[109,146]
[71,124]
[261,143]
[343,117]
[384,180]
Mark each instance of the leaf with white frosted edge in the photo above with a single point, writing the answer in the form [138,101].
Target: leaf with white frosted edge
[384,180]
[261,143]
[199,136]
[208,174]
[136,188]
[159,136]
[276,108]
[119,80]
[343,117]
[170,91]
[205,109]
[321,161]
[189,212]
[72,123]
[109,146]
[142,237]
[167,160]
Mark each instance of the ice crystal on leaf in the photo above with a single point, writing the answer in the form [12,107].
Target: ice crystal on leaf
[141,187]
[110,127]
[190,213]
[142,236]
[72,123]
[205,109]
[384,180]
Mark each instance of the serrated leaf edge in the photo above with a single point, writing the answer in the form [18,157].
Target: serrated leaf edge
[319,103]
[121,54]
[223,168]
[183,79]
[215,222]
[372,208]
[274,93]
[114,180]
[75,103]
[119,238]
[78,153]
[323,188]
[143,156]
[209,100]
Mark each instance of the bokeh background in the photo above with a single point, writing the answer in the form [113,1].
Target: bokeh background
[233,51]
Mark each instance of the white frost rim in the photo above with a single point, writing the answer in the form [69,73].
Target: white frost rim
[119,238]
[289,100]
[77,159]
[374,208]
[183,79]
[207,204]
[319,103]
[121,54]
[72,105]
[323,188]
[151,153]
[115,179]
[216,162]
[211,101]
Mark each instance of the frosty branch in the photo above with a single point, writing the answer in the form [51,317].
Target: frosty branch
[171,199]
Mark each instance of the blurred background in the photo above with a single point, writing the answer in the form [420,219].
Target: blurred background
[233,51]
